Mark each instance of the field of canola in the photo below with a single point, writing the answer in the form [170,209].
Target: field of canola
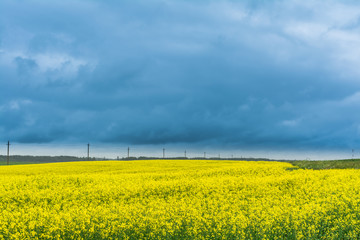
[178,199]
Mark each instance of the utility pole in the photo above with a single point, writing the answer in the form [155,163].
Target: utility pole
[204,154]
[128,152]
[185,153]
[163,152]
[88,152]
[8,152]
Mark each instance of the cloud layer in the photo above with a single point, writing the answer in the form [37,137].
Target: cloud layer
[272,74]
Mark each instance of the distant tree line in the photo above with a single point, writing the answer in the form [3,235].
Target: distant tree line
[20,159]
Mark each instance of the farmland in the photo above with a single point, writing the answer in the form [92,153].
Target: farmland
[178,199]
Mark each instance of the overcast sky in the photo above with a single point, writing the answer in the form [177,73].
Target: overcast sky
[260,74]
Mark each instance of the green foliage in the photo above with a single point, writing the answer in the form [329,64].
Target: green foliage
[19,160]
[328,164]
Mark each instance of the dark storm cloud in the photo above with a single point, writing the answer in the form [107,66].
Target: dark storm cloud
[272,74]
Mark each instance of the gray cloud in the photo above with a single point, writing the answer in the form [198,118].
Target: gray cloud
[271,74]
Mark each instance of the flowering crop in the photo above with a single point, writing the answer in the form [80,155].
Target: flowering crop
[178,199]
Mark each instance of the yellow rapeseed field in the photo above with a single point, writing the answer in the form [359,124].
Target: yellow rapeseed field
[178,199]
